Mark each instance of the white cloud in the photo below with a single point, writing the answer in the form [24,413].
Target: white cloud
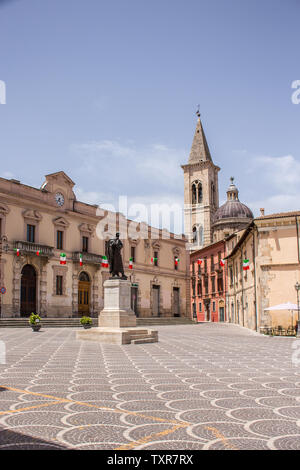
[152,175]
[280,171]
[101,148]
[139,207]
[276,203]
[128,168]
[7,174]
[92,197]
[277,182]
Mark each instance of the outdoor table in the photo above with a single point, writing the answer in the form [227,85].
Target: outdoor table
[264,330]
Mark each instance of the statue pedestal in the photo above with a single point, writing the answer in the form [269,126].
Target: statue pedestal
[117,321]
[117,312]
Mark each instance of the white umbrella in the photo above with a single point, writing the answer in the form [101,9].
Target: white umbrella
[286,306]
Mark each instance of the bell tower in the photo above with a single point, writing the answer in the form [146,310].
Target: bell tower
[201,191]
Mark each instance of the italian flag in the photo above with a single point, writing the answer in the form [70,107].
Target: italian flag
[37,253]
[80,259]
[199,261]
[63,258]
[130,263]
[176,260]
[222,262]
[245,264]
[104,262]
[153,259]
[17,250]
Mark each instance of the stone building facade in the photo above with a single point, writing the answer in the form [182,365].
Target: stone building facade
[271,244]
[207,226]
[208,283]
[39,224]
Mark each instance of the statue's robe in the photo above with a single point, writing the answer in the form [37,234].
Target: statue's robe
[114,257]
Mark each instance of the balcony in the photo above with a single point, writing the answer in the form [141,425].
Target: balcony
[88,258]
[29,248]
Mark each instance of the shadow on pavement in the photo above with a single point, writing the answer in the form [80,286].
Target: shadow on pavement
[11,440]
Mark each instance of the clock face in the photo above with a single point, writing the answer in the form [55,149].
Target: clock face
[59,198]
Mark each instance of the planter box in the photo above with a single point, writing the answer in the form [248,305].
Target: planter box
[36,327]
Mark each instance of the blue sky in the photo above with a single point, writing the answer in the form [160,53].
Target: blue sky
[107,92]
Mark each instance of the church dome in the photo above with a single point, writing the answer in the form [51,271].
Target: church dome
[233,208]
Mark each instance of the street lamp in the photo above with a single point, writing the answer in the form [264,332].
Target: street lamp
[297,287]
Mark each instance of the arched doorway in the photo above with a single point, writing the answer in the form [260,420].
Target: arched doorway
[84,288]
[28,291]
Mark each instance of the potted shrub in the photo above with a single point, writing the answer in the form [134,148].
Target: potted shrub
[86,322]
[34,321]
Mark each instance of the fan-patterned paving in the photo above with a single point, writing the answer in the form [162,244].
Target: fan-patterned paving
[205,386]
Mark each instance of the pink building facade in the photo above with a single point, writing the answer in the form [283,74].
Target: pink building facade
[208,283]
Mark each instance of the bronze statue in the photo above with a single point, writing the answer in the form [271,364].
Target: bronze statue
[115,258]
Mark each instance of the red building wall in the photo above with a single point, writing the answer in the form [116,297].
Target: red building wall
[208,283]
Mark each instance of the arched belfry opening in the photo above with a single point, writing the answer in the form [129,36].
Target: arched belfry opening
[198,235]
[194,194]
[197,195]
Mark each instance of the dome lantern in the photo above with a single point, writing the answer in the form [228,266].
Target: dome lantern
[232,191]
[233,208]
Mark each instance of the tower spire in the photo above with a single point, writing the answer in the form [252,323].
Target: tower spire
[201,191]
[199,151]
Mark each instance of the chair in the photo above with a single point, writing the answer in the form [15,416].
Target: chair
[263,330]
[291,331]
[279,330]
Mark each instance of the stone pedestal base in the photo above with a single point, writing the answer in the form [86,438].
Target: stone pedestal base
[117,311]
[117,321]
[118,335]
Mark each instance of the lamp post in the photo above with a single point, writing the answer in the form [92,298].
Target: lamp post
[297,287]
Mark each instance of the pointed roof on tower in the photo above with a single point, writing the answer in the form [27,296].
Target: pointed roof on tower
[199,151]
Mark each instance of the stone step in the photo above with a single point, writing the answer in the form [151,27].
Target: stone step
[143,340]
[45,322]
[165,318]
[144,331]
[75,322]
[134,337]
[164,321]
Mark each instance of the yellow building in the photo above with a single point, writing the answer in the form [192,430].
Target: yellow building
[271,244]
[38,225]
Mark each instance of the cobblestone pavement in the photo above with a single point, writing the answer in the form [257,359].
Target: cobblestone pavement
[205,386]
